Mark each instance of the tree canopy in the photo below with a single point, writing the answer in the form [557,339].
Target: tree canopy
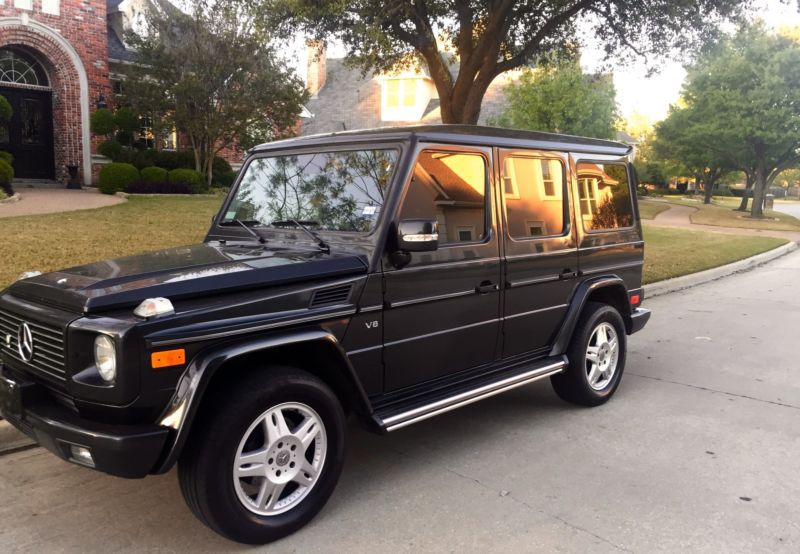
[742,108]
[562,99]
[212,75]
[466,44]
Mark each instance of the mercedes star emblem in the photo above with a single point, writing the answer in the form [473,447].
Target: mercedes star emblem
[25,342]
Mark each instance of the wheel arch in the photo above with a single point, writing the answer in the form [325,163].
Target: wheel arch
[315,350]
[609,290]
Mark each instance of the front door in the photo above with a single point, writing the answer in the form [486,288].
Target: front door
[442,309]
[29,134]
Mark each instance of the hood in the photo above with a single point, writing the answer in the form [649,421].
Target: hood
[182,272]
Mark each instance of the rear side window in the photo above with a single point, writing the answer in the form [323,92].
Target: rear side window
[534,196]
[604,196]
[449,187]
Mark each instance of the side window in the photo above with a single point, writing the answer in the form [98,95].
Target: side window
[534,196]
[451,188]
[604,195]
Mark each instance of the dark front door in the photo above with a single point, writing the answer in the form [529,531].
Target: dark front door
[443,308]
[29,134]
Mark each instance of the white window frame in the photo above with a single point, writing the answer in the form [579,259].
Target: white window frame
[51,7]
[23,4]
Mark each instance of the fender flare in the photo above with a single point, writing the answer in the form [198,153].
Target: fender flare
[183,407]
[579,299]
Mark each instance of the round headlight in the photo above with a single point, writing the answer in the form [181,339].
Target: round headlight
[105,358]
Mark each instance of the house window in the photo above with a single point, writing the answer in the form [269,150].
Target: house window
[548,182]
[466,234]
[23,4]
[170,141]
[146,135]
[51,7]
[605,196]
[402,99]
[19,69]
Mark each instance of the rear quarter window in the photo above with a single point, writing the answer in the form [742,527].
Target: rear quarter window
[604,196]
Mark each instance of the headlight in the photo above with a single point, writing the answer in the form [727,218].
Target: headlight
[105,358]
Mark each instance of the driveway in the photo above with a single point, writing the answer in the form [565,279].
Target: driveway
[791,208]
[48,201]
[697,452]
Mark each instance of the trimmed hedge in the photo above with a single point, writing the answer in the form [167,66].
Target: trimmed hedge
[110,149]
[226,179]
[6,173]
[158,187]
[154,174]
[8,157]
[115,177]
[194,179]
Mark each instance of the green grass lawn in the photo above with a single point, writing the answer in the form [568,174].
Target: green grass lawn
[649,209]
[675,252]
[721,214]
[50,242]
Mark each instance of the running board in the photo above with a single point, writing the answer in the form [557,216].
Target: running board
[474,392]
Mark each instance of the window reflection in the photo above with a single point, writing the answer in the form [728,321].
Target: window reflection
[451,188]
[604,195]
[534,196]
[330,191]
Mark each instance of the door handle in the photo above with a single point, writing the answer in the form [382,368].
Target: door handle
[486,287]
[568,274]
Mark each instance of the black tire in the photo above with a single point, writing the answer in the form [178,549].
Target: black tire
[205,469]
[573,385]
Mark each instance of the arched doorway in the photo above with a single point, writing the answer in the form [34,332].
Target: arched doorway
[28,136]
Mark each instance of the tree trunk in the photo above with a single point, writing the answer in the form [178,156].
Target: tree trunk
[709,188]
[759,191]
[748,189]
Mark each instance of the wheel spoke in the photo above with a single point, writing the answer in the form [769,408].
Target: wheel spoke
[269,494]
[307,474]
[255,457]
[253,470]
[308,431]
[593,374]
[601,335]
[591,354]
[275,426]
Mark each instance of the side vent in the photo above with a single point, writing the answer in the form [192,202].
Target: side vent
[331,296]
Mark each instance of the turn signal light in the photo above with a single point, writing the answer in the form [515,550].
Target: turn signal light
[168,358]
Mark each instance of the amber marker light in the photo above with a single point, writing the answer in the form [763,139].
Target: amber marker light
[168,358]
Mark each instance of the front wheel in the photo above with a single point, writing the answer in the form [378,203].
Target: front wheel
[596,357]
[263,461]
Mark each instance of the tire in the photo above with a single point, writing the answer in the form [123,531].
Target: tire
[592,382]
[240,432]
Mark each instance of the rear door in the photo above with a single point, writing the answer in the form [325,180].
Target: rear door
[442,309]
[541,257]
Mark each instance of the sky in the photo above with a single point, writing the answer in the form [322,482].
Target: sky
[644,98]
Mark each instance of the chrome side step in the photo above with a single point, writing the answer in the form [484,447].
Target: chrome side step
[426,411]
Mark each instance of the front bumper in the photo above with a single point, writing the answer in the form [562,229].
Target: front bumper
[130,451]
[639,319]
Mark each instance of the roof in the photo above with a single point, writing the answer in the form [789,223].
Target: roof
[462,134]
[117,51]
[352,101]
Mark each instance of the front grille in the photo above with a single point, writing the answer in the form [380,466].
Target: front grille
[49,355]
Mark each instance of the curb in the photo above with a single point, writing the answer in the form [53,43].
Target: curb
[12,199]
[687,281]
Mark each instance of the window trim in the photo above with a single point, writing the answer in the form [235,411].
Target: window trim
[488,197]
[634,212]
[565,183]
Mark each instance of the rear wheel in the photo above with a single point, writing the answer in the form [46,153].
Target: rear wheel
[263,461]
[596,357]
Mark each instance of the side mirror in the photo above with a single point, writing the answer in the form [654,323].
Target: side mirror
[418,235]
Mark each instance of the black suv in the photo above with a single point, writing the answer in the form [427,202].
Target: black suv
[393,274]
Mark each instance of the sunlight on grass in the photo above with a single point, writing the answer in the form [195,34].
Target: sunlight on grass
[721,213]
[649,209]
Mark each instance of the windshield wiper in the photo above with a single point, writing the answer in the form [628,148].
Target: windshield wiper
[258,236]
[323,246]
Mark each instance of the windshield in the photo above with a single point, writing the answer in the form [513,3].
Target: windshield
[328,191]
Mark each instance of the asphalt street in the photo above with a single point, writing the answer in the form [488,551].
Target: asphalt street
[698,452]
[791,208]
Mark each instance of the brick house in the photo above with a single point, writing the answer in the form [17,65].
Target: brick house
[59,61]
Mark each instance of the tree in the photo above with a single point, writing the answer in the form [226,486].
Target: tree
[212,75]
[749,83]
[696,138]
[562,99]
[466,44]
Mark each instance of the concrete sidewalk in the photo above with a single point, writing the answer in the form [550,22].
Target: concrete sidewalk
[48,201]
[680,216]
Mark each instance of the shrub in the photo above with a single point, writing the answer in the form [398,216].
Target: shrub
[145,158]
[115,177]
[194,179]
[3,195]
[6,173]
[219,169]
[103,122]
[226,179]
[8,157]
[155,175]
[158,187]
[110,149]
